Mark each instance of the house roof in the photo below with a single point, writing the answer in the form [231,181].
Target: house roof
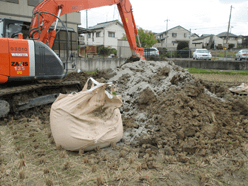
[203,35]
[224,34]
[104,24]
[200,38]
[171,29]
[82,30]
[193,34]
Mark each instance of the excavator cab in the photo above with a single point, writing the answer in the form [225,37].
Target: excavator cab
[10,28]
[23,59]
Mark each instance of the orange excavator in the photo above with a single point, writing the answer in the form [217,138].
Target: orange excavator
[32,60]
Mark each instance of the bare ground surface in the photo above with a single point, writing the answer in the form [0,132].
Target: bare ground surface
[189,136]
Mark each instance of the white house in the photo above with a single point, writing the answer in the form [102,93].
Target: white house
[171,37]
[232,38]
[205,40]
[106,34]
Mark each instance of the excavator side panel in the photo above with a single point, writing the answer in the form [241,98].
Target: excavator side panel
[19,57]
[4,60]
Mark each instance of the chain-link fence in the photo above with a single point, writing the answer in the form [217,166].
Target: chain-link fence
[229,55]
[223,54]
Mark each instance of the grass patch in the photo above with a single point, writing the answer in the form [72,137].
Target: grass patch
[223,79]
[90,73]
[221,53]
[209,71]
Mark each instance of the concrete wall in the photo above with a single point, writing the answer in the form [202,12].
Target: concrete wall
[218,65]
[91,64]
[123,49]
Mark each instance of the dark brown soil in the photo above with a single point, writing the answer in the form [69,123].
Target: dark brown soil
[191,121]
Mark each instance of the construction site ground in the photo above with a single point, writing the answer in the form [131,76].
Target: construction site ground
[179,129]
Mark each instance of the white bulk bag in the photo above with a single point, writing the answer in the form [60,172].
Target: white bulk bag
[87,119]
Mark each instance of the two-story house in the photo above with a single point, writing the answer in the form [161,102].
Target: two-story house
[232,38]
[105,34]
[207,41]
[171,37]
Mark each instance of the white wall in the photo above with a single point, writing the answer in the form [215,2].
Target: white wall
[113,41]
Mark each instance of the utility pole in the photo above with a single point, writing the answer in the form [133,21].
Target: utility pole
[167,20]
[87,34]
[189,37]
[227,34]
[87,26]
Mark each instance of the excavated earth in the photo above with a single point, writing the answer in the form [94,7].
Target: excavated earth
[178,130]
[164,106]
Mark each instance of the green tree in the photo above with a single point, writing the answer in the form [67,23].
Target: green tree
[182,45]
[147,38]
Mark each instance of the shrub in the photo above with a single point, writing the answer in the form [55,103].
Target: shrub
[113,51]
[162,51]
[182,45]
[156,58]
[231,46]
[105,51]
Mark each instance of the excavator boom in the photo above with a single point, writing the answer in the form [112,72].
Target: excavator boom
[43,18]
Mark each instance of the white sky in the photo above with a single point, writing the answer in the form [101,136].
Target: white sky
[201,16]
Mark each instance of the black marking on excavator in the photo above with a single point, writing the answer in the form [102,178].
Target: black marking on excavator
[19,64]
[46,61]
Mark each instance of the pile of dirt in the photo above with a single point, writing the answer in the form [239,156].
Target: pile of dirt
[100,76]
[164,106]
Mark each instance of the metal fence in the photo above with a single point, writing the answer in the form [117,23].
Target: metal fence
[216,54]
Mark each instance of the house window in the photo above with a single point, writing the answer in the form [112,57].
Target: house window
[98,34]
[33,2]
[174,42]
[111,34]
[11,1]
[174,34]
[89,35]
[185,34]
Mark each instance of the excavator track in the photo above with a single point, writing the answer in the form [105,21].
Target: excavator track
[23,96]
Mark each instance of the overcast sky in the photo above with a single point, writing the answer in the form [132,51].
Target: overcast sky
[201,16]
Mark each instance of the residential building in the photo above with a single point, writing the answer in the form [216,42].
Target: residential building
[232,38]
[192,37]
[206,40]
[22,10]
[105,34]
[171,37]
[244,42]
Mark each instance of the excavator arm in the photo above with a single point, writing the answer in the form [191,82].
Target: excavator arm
[43,18]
